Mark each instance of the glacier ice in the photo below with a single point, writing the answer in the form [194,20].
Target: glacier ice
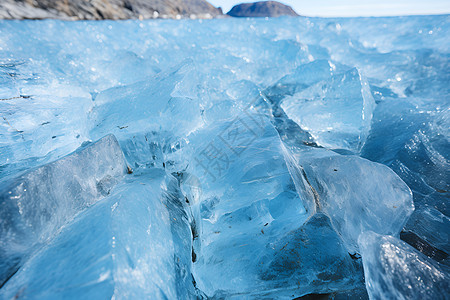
[336,112]
[302,77]
[415,147]
[394,270]
[357,194]
[426,231]
[237,158]
[313,257]
[246,193]
[38,203]
[145,106]
[120,246]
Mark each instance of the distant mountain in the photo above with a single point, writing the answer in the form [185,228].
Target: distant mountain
[262,9]
[105,9]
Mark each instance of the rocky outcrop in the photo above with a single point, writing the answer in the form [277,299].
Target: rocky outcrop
[262,9]
[106,9]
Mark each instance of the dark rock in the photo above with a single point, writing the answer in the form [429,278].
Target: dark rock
[262,9]
[106,9]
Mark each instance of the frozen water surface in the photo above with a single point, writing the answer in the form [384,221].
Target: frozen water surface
[235,158]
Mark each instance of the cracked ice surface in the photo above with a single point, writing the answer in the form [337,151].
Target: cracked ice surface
[238,158]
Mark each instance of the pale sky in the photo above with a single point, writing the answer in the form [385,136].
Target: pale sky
[353,8]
